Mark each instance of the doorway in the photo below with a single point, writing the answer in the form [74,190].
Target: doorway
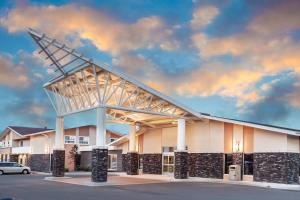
[168,163]
[112,162]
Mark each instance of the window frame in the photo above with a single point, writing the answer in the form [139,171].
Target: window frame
[84,137]
[68,141]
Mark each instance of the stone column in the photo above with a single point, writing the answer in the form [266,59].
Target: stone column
[100,151]
[59,150]
[132,156]
[181,155]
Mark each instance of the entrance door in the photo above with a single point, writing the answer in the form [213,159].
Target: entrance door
[168,163]
[112,164]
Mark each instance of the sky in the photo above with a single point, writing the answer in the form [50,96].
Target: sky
[230,58]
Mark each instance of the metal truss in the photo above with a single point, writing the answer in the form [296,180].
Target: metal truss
[81,85]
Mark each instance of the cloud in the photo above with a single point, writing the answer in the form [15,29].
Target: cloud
[12,74]
[72,23]
[203,16]
[265,48]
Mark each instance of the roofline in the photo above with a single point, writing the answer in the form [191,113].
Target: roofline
[265,127]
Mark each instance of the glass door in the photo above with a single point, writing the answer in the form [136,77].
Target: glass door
[112,162]
[168,163]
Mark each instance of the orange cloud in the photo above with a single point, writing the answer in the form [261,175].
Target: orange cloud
[105,32]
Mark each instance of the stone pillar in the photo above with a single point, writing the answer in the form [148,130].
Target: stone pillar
[181,165]
[100,151]
[58,163]
[181,155]
[132,156]
[132,163]
[58,169]
[99,165]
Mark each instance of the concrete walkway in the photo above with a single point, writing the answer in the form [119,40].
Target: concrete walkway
[121,178]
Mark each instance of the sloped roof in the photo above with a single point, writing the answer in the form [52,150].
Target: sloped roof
[28,130]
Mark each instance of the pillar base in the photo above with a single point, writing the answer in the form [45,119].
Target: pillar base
[99,165]
[58,163]
[181,165]
[132,163]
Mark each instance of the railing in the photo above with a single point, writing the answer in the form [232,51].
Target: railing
[20,150]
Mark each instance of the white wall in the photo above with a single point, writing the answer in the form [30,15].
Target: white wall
[268,141]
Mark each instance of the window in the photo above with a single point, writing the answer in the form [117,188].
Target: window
[69,139]
[248,164]
[1,144]
[84,140]
[228,162]
[21,143]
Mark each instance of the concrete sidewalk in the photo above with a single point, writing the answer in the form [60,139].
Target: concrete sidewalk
[125,179]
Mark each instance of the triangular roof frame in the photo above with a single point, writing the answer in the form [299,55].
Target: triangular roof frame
[82,85]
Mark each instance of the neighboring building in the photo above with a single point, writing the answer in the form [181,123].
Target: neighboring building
[34,147]
[266,153]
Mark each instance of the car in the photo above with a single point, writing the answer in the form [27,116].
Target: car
[13,168]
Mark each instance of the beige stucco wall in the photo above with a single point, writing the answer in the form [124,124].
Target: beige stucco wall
[92,134]
[169,137]
[238,138]
[204,137]
[228,134]
[248,139]
[293,144]
[152,141]
[268,141]
[41,144]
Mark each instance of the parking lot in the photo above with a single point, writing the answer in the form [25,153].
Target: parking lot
[31,187]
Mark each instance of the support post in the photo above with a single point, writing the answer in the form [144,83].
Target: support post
[181,154]
[59,150]
[100,151]
[132,155]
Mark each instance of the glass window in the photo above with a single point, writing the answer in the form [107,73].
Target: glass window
[84,140]
[113,139]
[228,162]
[69,139]
[248,164]
[168,149]
[21,143]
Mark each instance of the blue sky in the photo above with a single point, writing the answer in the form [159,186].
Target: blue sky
[237,59]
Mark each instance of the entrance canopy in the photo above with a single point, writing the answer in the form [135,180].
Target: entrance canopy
[80,85]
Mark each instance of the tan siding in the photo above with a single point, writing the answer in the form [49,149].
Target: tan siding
[152,141]
[238,138]
[293,143]
[248,139]
[228,134]
[169,137]
[268,141]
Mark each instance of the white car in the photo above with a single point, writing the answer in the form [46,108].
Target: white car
[13,167]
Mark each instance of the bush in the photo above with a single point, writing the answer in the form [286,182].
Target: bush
[66,170]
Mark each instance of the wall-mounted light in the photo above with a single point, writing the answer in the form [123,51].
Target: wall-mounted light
[237,146]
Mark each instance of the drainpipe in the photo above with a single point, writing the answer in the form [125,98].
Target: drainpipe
[48,143]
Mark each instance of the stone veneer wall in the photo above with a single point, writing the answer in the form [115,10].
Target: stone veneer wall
[99,165]
[58,169]
[276,167]
[181,165]
[124,162]
[206,165]
[238,159]
[152,163]
[39,162]
[132,159]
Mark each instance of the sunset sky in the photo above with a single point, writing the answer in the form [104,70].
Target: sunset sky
[237,59]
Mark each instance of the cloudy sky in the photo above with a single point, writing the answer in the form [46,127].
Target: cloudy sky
[237,59]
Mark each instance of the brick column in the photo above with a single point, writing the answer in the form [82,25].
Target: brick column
[99,165]
[132,163]
[181,165]
[58,163]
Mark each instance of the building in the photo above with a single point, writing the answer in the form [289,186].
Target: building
[165,137]
[266,153]
[34,147]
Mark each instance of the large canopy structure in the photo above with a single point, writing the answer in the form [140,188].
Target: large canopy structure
[80,85]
